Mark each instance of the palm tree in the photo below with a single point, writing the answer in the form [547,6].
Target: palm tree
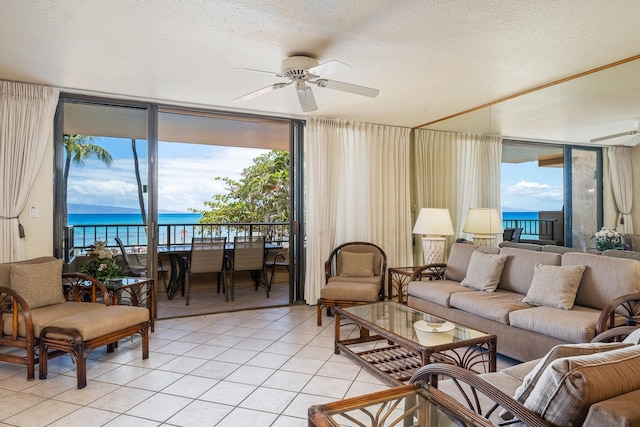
[79,149]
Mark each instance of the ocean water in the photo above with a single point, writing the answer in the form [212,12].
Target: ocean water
[519,215]
[129,219]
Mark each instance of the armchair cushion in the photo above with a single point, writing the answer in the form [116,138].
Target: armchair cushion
[354,264]
[554,286]
[484,271]
[39,284]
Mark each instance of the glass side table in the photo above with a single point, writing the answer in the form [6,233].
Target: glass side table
[408,406]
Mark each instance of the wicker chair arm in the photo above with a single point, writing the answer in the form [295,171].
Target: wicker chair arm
[435,271]
[615,334]
[629,303]
[14,305]
[470,387]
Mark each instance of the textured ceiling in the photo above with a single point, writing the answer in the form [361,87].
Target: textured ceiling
[430,59]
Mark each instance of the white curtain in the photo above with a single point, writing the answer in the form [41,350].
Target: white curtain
[357,189]
[26,126]
[457,171]
[621,172]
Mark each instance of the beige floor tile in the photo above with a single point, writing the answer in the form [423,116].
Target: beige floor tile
[154,362]
[53,386]
[253,375]
[228,393]
[314,352]
[255,344]
[190,386]
[297,338]
[86,395]
[17,402]
[155,380]
[360,388]
[198,337]
[300,405]
[129,421]
[283,380]
[268,400]
[269,334]
[268,360]
[159,407]
[85,417]
[236,355]
[200,413]
[325,386]
[239,417]
[223,340]
[303,365]
[177,347]
[18,381]
[183,364]
[215,369]
[123,375]
[284,348]
[339,370]
[286,421]
[121,399]
[205,351]
[42,414]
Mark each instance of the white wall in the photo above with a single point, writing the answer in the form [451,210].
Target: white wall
[39,230]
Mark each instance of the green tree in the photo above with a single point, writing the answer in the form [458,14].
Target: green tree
[79,149]
[261,195]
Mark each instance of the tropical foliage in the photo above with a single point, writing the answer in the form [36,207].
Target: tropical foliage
[261,195]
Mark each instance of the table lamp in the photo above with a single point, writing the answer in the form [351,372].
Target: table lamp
[484,224]
[433,223]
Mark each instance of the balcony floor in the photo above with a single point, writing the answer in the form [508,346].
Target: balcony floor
[205,300]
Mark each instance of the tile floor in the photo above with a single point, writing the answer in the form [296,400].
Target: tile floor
[261,367]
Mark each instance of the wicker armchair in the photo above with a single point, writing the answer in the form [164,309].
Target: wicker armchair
[354,274]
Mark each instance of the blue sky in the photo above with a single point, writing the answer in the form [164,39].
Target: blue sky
[527,187]
[186,174]
[187,177]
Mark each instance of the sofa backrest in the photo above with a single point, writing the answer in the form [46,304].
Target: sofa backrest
[521,245]
[5,268]
[604,279]
[518,269]
[459,259]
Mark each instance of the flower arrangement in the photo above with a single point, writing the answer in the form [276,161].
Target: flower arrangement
[102,262]
[607,238]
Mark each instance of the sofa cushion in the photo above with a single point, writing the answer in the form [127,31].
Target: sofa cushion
[459,258]
[572,326]
[39,284]
[569,386]
[483,273]
[97,323]
[436,291]
[518,269]
[356,264]
[494,306]
[604,279]
[557,352]
[619,411]
[554,285]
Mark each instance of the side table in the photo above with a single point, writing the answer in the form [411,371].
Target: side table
[398,278]
[139,291]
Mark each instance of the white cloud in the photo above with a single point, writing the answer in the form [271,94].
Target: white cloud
[532,196]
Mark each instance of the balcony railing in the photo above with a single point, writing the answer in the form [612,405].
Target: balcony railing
[134,236]
[533,229]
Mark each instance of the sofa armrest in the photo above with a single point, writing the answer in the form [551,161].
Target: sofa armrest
[80,287]
[625,305]
[477,394]
[432,271]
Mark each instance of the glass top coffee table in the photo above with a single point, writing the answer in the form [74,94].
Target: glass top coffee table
[405,339]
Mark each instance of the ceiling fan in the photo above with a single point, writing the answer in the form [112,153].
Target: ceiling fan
[636,131]
[303,70]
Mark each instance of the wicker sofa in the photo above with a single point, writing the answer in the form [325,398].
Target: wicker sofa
[527,330]
[590,385]
[45,313]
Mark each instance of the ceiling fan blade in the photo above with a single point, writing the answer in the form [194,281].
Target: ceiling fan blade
[328,67]
[259,92]
[616,135]
[348,87]
[307,100]
[251,70]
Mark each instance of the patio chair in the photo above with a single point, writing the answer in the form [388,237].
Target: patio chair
[248,255]
[280,260]
[354,275]
[137,265]
[207,256]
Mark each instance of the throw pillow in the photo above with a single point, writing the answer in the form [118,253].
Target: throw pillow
[557,352]
[484,271]
[39,284]
[554,285]
[570,385]
[356,264]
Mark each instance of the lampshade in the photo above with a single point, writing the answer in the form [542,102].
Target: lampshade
[433,222]
[483,222]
